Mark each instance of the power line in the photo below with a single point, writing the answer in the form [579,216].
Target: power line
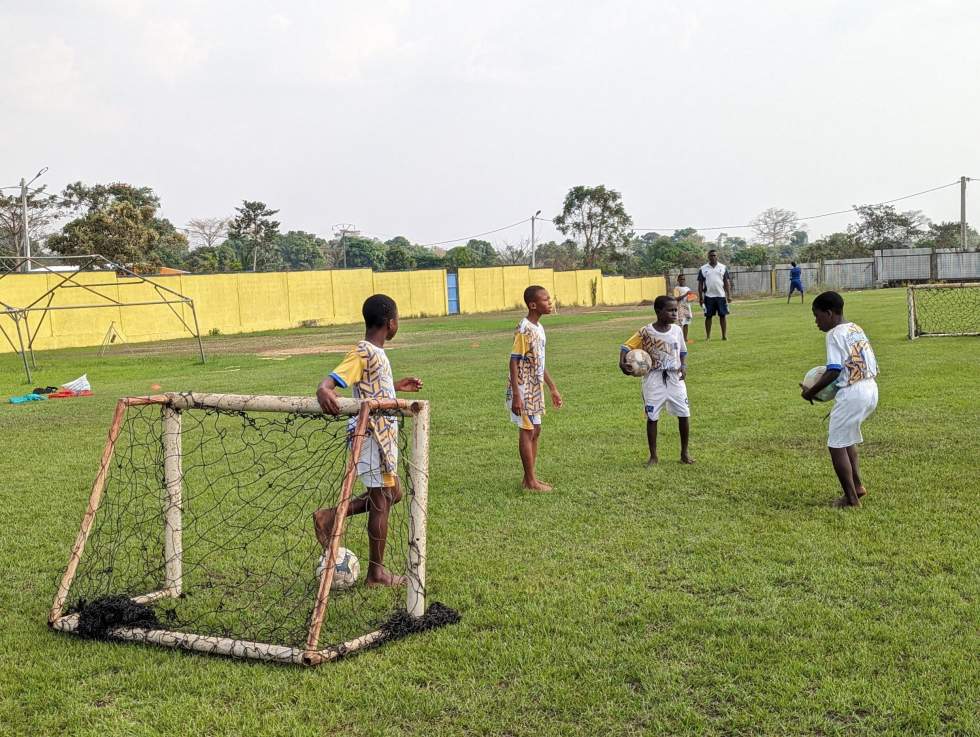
[478,235]
[812,217]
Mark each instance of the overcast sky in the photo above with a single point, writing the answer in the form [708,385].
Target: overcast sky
[439,120]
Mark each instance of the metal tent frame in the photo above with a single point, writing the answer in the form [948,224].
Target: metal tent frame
[93,263]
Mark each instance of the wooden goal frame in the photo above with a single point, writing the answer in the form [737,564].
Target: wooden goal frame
[911,302]
[171,407]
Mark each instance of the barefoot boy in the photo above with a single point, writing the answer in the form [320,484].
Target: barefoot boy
[525,391]
[684,315]
[368,374]
[851,364]
[664,385]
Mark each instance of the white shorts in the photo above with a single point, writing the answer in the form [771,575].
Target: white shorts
[657,394]
[852,406]
[524,421]
[369,467]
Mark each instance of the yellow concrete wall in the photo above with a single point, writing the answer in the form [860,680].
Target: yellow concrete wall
[429,296]
[632,291]
[566,288]
[310,297]
[238,303]
[350,289]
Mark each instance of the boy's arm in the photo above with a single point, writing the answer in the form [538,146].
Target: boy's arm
[516,403]
[408,384]
[700,288]
[555,396]
[635,341]
[623,366]
[682,371]
[327,397]
[828,378]
[727,281]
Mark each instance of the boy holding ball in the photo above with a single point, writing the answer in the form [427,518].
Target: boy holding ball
[664,385]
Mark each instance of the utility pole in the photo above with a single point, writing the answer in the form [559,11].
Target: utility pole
[342,229]
[26,266]
[533,218]
[963,181]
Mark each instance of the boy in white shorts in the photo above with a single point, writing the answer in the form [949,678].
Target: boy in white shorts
[367,372]
[852,366]
[664,386]
[682,294]
[527,377]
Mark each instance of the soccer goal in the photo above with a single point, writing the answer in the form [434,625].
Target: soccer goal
[943,310]
[198,532]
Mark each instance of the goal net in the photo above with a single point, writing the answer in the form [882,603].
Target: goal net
[199,534]
[943,309]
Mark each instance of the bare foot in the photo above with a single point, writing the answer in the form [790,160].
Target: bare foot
[323,524]
[842,503]
[861,491]
[687,459]
[384,578]
[535,485]
[652,461]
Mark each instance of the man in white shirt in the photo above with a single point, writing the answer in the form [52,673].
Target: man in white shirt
[714,293]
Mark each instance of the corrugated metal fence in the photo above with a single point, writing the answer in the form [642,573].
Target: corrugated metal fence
[885,268]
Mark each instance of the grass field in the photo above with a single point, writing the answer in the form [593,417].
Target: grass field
[723,598]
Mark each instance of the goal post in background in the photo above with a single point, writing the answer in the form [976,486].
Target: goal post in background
[201,510]
[943,310]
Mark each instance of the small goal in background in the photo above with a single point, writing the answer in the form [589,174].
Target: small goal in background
[198,532]
[943,310]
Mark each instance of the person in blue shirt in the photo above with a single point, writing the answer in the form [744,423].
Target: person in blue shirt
[795,281]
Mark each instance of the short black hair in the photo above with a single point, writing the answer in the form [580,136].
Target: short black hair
[713,251]
[829,301]
[792,263]
[531,293]
[378,309]
[660,302]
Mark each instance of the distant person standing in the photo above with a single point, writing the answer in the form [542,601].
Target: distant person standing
[795,281]
[714,293]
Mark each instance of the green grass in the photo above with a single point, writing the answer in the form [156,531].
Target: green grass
[723,598]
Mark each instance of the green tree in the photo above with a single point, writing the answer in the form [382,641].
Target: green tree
[364,252]
[947,235]
[213,259]
[486,254]
[563,256]
[596,218]
[254,230]
[42,211]
[882,227]
[657,253]
[301,251]
[751,256]
[833,246]
[461,257]
[119,222]
[426,258]
[399,257]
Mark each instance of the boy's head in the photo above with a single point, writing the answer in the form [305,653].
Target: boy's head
[537,299]
[666,309]
[380,311]
[792,263]
[828,309]
[681,279]
[713,257]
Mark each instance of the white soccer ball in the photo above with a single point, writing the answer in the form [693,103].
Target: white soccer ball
[639,362]
[812,377]
[345,572]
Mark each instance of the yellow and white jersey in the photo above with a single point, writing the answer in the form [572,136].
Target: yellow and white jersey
[367,372]
[849,351]
[529,350]
[667,349]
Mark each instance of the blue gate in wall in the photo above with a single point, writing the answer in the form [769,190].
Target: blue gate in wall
[452,292]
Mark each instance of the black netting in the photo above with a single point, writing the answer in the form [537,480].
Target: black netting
[947,310]
[250,485]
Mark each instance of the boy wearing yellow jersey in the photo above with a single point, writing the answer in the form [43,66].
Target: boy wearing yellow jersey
[367,372]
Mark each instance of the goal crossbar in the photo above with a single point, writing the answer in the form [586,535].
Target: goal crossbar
[172,404]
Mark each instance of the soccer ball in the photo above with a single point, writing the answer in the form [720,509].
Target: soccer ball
[346,569]
[812,377]
[639,362]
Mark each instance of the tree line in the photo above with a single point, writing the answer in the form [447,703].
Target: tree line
[122,222]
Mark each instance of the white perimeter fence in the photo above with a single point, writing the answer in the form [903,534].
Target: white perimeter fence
[885,268]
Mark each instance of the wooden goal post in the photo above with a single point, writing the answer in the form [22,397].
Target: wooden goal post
[172,406]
